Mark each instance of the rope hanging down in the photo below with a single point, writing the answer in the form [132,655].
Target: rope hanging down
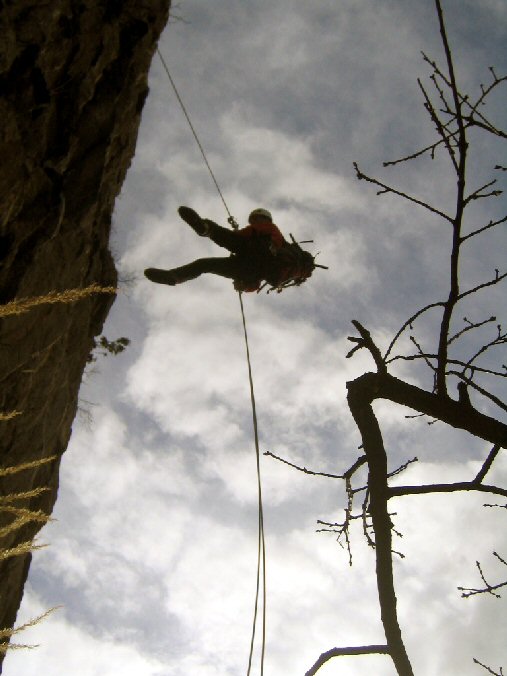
[261,548]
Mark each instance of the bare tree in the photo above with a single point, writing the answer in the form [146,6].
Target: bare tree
[455,361]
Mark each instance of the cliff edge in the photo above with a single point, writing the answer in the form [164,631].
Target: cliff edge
[73,81]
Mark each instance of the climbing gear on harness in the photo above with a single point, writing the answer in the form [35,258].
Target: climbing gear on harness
[193,219]
[297,267]
[260,212]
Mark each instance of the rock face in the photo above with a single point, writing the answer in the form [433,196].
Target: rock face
[73,80]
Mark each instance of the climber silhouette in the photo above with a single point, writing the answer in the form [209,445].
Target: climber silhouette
[259,255]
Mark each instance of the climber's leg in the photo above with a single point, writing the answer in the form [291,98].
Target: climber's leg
[225,267]
[228,239]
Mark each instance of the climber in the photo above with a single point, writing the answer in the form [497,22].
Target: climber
[259,255]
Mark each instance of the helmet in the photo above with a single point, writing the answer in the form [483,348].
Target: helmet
[260,212]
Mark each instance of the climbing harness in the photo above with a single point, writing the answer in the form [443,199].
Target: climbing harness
[299,266]
[261,545]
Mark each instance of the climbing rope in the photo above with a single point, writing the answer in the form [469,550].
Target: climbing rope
[261,545]
[231,220]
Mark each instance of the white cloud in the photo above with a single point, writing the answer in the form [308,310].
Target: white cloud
[291,169]
[66,649]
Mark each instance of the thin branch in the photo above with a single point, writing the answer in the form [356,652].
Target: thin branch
[495,673]
[413,156]
[457,362]
[491,224]
[422,354]
[469,122]
[487,463]
[488,588]
[447,108]
[475,108]
[386,188]
[484,392]
[497,278]
[304,469]
[477,193]
[342,528]
[402,468]
[366,341]
[500,339]
[408,323]
[339,652]
[472,122]
[470,119]
[353,468]
[439,126]
[469,327]
[333,526]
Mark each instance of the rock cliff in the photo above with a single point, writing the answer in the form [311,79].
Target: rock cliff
[73,81]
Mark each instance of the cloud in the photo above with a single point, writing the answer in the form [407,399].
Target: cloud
[288,168]
[64,649]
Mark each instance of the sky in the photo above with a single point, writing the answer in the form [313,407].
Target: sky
[152,554]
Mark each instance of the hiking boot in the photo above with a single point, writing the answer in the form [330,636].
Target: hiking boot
[194,221]
[161,276]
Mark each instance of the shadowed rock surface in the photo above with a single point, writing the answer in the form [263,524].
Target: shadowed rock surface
[73,81]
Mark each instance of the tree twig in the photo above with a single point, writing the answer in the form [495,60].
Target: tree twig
[303,469]
[387,188]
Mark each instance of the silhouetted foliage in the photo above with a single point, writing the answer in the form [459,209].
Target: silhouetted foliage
[103,347]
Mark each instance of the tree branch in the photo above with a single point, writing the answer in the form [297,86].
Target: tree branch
[488,588]
[488,463]
[495,673]
[491,224]
[366,341]
[447,410]
[304,469]
[466,365]
[484,392]
[386,188]
[477,193]
[397,491]
[496,279]
[338,652]
[457,220]
[469,326]
[409,322]
[441,128]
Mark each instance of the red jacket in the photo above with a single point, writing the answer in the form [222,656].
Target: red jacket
[283,269]
[264,228]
